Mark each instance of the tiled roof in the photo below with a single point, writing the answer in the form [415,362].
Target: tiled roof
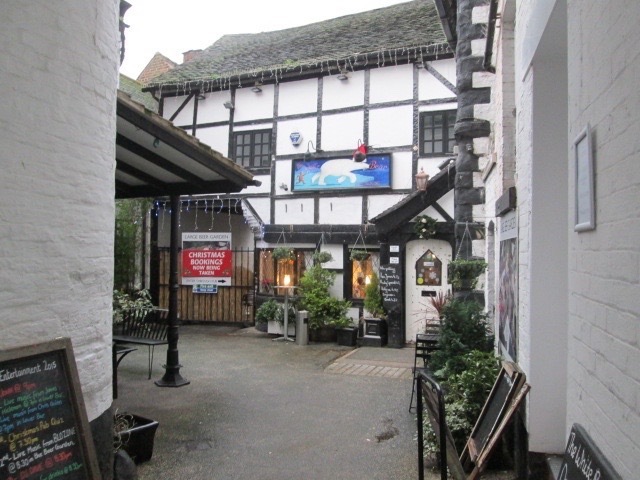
[134,90]
[158,65]
[401,33]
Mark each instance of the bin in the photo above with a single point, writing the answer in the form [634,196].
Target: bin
[302,327]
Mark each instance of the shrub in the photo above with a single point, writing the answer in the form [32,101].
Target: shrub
[373,297]
[464,328]
[314,296]
[272,310]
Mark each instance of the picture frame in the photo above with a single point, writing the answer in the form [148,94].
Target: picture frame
[584,181]
[341,173]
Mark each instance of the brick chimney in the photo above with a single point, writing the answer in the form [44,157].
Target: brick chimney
[190,54]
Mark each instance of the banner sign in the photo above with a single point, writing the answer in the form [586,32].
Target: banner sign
[206,258]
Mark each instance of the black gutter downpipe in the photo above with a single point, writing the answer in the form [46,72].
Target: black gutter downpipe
[491,30]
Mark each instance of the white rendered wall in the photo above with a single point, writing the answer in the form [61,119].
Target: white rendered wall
[391,84]
[298,97]
[250,105]
[343,93]
[58,90]
[429,87]
[307,128]
[297,211]
[391,127]
[216,137]
[543,227]
[211,109]
[604,264]
[376,204]
[342,131]
[401,170]
[340,211]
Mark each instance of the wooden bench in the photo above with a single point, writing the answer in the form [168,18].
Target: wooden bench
[151,331]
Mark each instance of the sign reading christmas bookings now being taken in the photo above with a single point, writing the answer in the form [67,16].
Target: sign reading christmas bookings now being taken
[206,258]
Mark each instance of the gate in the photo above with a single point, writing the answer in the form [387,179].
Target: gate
[229,305]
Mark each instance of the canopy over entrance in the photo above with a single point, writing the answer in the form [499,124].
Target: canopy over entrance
[155,158]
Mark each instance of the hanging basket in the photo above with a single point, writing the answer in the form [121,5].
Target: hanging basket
[283,253]
[322,257]
[359,255]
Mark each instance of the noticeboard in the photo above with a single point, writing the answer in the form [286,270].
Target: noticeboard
[44,430]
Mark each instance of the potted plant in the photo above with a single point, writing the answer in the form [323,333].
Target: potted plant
[376,319]
[283,253]
[424,226]
[324,310]
[358,255]
[271,312]
[322,257]
[346,332]
[463,273]
[135,435]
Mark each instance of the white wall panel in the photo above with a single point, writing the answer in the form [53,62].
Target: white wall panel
[402,173]
[376,204]
[391,127]
[211,109]
[294,212]
[343,93]
[171,105]
[262,206]
[252,106]
[391,84]
[307,128]
[340,211]
[298,97]
[216,137]
[342,131]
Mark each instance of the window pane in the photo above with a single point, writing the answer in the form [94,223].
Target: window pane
[437,134]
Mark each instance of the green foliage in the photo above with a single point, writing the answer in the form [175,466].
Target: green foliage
[129,242]
[314,296]
[464,328]
[462,270]
[465,394]
[358,255]
[136,305]
[272,310]
[322,257]
[425,226]
[283,253]
[373,297]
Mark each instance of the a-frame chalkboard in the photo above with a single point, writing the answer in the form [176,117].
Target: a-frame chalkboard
[44,430]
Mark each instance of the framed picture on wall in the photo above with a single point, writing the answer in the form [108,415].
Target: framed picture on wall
[584,182]
[341,173]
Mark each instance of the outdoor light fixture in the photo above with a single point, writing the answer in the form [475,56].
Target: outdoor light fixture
[421,180]
[283,186]
[228,105]
[256,88]
[287,280]
[343,75]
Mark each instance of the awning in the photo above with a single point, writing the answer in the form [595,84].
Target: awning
[156,158]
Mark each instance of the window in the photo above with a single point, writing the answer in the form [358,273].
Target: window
[361,271]
[428,270]
[274,273]
[436,132]
[252,149]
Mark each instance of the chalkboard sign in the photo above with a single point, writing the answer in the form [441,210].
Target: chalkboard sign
[44,431]
[583,460]
[390,285]
[504,399]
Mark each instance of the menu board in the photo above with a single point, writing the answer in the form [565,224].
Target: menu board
[390,285]
[44,431]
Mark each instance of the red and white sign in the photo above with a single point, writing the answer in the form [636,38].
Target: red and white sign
[206,258]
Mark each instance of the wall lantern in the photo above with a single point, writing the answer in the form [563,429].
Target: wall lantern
[295,137]
[421,180]
[257,88]
[343,75]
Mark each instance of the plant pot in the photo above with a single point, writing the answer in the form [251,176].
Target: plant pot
[277,328]
[323,335]
[262,327]
[138,440]
[347,336]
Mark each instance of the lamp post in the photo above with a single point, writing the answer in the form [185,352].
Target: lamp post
[421,180]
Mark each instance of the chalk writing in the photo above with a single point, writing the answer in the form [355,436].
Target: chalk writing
[390,285]
[583,459]
[38,434]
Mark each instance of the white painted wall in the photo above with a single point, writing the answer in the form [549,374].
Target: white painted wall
[401,173]
[216,137]
[543,223]
[211,109]
[307,128]
[429,87]
[297,211]
[342,131]
[391,127]
[171,106]
[298,97]
[604,264]
[340,211]
[376,204]
[262,206]
[391,84]
[250,105]
[59,80]
[343,93]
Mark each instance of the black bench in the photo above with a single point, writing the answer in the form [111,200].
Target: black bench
[151,331]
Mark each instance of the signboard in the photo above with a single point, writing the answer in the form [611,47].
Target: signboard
[206,258]
[390,285]
[206,288]
[44,431]
[583,460]
[341,173]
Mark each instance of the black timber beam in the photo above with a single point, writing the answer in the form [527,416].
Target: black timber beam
[313,233]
